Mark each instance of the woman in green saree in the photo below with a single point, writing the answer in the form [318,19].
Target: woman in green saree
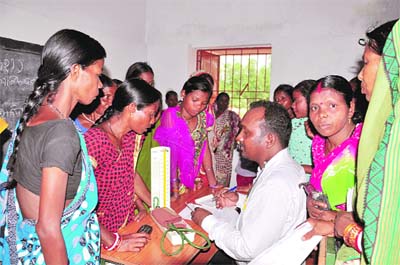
[378,187]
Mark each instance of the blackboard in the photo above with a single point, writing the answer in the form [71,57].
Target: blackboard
[19,62]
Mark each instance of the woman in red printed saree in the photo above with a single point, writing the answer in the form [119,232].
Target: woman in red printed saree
[222,139]
[111,145]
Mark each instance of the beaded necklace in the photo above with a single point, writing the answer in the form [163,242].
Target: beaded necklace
[88,119]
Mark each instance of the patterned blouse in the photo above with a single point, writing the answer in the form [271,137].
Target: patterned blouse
[199,135]
[115,177]
[300,143]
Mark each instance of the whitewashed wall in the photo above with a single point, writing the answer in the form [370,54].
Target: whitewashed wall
[119,25]
[310,38]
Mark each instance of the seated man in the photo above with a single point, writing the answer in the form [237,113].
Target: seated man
[275,205]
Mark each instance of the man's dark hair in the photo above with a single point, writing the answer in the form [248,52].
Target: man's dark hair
[170,94]
[276,120]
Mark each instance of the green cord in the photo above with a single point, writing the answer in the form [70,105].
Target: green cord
[181,232]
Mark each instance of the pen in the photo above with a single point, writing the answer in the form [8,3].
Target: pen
[190,207]
[229,190]
[232,189]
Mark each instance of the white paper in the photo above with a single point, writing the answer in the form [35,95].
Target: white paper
[290,250]
[186,213]
[229,214]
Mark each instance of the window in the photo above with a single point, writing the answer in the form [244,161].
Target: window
[243,73]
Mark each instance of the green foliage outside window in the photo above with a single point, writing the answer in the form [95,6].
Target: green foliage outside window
[245,79]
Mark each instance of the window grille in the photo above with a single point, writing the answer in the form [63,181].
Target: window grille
[243,73]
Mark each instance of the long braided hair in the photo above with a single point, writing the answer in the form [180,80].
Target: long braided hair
[131,91]
[64,49]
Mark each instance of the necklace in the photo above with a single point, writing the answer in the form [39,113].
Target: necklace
[88,119]
[57,111]
[116,138]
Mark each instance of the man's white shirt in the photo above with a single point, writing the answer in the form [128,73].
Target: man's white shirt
[271,211]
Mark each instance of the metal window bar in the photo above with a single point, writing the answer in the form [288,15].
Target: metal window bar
[248,88]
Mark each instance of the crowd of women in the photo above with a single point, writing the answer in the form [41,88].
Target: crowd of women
[349,154]
[69,178]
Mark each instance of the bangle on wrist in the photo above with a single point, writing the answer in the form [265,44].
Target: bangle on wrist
[351,234]
[358,245]
[115,244]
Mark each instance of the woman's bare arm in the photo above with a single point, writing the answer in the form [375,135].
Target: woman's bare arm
[208,166]
[51,207]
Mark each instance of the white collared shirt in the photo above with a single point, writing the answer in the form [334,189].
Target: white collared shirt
[274,207]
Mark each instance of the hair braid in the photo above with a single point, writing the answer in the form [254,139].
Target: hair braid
[62,50]
[31,107]
[107,115]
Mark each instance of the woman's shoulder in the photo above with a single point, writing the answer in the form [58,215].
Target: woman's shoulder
[318,141]
[231,112]
[62,128]
[82,129]
[170,118]
[357,130]
[95,134]
[170,111]
[298,121]
[209,118]
[54,135]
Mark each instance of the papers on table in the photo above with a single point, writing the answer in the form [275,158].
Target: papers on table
[229,214]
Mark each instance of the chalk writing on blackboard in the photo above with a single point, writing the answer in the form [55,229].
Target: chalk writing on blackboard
[19,62]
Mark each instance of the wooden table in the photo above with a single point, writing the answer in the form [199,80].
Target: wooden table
[151,253]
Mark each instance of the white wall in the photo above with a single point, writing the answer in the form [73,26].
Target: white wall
[118,25]
[309,38]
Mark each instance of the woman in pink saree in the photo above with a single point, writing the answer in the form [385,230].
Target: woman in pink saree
[184,130]
[334,148]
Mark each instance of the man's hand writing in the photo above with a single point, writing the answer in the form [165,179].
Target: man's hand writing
[226,199]
[199,214]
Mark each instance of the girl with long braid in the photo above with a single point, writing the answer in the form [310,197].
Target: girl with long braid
[111,145]
[49,191]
